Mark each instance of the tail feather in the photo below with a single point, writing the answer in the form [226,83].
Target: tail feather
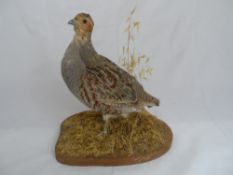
[153,101]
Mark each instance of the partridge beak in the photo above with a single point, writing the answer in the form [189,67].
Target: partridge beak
[71,22]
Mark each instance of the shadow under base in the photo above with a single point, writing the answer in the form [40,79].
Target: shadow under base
[137,138]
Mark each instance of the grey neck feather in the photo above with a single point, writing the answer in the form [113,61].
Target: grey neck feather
[85,49]
[82,38]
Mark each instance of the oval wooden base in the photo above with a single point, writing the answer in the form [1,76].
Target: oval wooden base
[140,137]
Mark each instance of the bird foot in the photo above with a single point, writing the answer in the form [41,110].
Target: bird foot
[106,118]
[125,115]
[104,132]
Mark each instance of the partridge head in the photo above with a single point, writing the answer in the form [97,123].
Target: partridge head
[83,25]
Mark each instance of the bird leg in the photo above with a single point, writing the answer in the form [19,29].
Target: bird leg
[106,118]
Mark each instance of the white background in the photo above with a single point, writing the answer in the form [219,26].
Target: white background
[190,46]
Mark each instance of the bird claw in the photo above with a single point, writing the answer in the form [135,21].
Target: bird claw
[104,132]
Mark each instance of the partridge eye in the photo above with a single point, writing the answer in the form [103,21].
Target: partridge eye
[84,21]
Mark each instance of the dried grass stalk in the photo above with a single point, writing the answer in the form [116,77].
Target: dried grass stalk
[136,64]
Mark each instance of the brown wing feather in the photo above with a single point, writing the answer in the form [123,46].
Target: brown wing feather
[111,87]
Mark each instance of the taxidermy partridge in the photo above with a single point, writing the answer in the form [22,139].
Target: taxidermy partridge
[98,82]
